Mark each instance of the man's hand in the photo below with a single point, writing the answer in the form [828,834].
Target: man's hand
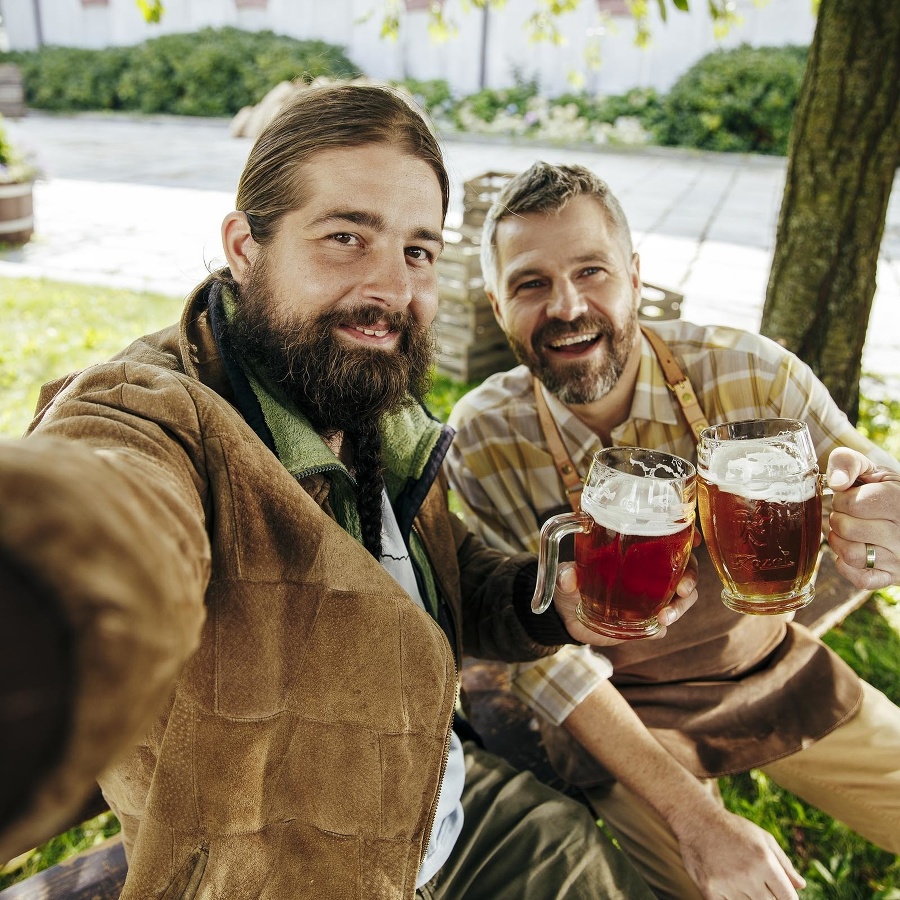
[865,517]
[730,858]
[566,598]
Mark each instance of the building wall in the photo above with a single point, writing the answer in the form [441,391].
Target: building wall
[355,25]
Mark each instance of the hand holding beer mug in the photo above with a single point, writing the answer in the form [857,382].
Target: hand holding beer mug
[633,540]
[760,501]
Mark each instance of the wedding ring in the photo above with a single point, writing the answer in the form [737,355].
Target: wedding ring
[870,556]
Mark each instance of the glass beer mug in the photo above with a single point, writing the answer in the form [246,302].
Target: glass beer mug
[633,540]
[760,502]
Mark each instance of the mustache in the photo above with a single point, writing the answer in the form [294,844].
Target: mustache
[554,329]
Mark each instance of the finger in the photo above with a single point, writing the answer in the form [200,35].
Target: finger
[846,466]
[864,579]
[677,607]
[796,879]
[869,501]
[855,551]
[688,582]
[567,578]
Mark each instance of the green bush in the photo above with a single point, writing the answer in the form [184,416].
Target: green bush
[70,78]
[212,72]
[644,104]
[488,102]
[738,100]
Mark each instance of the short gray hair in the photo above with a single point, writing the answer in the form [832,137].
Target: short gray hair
[545,188]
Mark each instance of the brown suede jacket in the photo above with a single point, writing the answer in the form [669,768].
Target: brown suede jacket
[278,709]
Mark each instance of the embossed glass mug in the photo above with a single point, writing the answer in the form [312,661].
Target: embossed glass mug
[760,504]
[633,540]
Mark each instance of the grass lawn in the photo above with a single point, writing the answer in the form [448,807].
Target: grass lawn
[51,329]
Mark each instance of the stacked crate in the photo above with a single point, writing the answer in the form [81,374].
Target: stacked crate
[471,343]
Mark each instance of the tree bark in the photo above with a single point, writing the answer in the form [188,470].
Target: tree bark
[843,155]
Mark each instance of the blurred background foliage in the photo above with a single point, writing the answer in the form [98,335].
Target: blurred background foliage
[739,100]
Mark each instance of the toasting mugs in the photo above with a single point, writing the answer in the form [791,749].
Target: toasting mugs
[760,501]
[633,539]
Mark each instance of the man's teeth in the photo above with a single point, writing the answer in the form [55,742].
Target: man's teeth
[574,339]
[372,333]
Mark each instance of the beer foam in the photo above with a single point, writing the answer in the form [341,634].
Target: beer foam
[758,470]
[637,506]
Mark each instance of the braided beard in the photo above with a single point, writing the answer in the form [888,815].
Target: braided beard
[339,388]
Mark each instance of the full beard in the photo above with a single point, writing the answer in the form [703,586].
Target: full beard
[339,388]
[577,383]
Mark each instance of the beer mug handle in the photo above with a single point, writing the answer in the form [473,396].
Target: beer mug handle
[553,531]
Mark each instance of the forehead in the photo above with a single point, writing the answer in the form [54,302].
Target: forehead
[582,226]
[380,174]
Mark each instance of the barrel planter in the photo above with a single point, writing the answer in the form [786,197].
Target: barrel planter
[16,212]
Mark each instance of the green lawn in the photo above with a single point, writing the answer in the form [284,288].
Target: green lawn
[51,329]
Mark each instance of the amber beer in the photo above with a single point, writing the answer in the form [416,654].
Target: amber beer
[760,506]
[633,537]
[626,572]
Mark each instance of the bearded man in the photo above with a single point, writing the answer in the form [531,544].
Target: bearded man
[231,586]
[724,692]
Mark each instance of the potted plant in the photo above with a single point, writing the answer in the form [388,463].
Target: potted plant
[17,175]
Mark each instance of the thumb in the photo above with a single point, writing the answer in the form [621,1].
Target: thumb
[845,466]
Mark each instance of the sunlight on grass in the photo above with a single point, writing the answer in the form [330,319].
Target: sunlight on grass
[52,329]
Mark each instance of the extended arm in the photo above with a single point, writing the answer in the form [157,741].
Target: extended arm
[104,561]
[725,855]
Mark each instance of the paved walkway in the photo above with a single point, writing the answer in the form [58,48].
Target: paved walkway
[137,202]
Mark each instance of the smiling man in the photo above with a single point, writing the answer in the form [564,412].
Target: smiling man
[723,693]
[239,596]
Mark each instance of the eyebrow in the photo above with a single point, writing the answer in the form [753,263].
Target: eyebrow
[374,221]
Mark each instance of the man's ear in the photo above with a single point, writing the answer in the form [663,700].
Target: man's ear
[240,248]
[636,282]
[495,306]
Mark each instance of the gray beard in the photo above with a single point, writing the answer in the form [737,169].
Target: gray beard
[576,384]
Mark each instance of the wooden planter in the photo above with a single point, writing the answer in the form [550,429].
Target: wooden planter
[16,212]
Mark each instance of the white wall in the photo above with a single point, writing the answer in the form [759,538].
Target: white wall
[676,44]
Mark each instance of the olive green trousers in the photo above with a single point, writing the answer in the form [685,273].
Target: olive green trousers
[522,840]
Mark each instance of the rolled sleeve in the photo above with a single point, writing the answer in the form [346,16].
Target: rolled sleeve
[555,685]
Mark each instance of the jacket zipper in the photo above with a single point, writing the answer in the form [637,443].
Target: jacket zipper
[444,761]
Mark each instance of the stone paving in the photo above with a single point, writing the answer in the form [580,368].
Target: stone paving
[137,202]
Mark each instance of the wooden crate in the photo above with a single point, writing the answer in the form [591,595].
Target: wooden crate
[12,92]
[465,362]
[481,191]
[461,259]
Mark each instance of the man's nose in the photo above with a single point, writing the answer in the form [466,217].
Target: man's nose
[389,280]
[566,302]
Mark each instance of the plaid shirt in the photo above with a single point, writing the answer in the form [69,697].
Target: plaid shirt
[501,469]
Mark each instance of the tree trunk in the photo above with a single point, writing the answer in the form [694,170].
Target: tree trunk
[844,152]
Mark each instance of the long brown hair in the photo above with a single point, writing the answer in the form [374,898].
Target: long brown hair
[321,118]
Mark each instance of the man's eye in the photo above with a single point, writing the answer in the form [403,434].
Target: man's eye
[344,238]
[530,285]
[419,253]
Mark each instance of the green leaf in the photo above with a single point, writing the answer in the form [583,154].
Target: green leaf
[151,10]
